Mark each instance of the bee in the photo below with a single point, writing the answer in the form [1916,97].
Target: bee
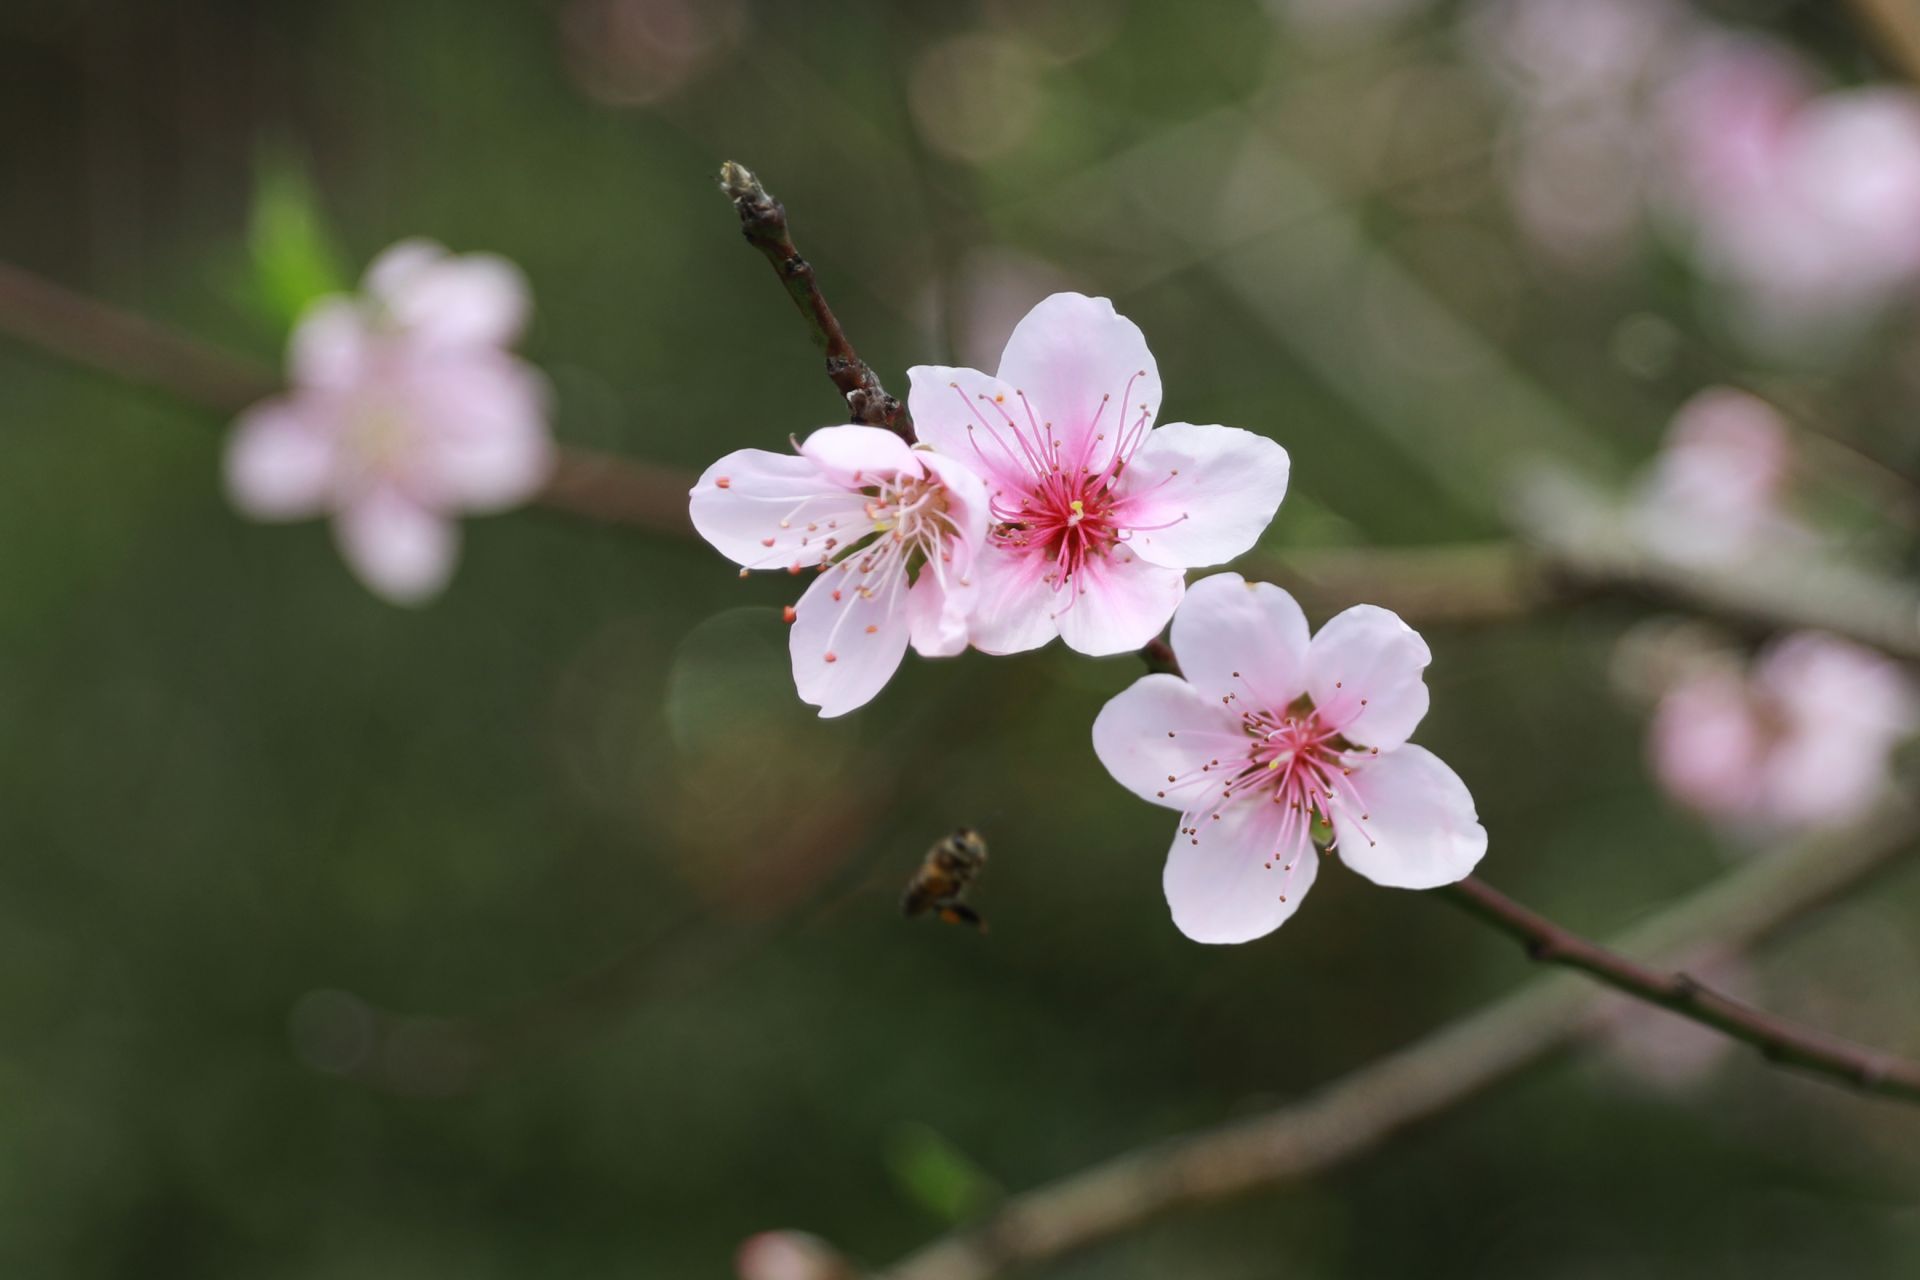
[942,878]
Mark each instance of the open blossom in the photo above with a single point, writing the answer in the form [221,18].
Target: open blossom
[1802,739]
[1096,514]
[406,409]
[1273,737]
[890,532]
[1715,493]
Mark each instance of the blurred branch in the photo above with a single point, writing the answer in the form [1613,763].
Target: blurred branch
[1779,1041]
[42,314]
[1359,1112]
[106,339]
[1896,24]
[764,221]
[1582,543]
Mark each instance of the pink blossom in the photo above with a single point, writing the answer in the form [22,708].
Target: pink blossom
[1802,739]
[406,409]
[788,1255]
[1808,204]
[892,534]
[1271,735]
[1715,492]
[1096,515]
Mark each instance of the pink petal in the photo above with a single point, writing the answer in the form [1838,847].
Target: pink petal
[1214,489]
[1013,611]
[1364,672]
[1705,745]
[280,461]
[400,550]
[845,650]
[330,347]
[938,616]
[774,510]
[967,502]
[1416,828]
[1240,639]
[855,457]
[1157,729]
[446,300]
[1117,604]
[1239,877]
[962,414]
[1087,371]
[484,421]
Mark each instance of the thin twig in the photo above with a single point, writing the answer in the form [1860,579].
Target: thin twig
[1781,1042]
[1361,1111]
[764,222]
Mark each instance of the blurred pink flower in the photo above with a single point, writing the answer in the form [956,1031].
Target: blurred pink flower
[1096,515]
[1715,492]
[1560,51]
[1271,733]
[1807,204]
[788,1255]
[893,533]
[1802,739]
[406,409]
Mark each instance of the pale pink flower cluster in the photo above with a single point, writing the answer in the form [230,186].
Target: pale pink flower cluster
[1041,500]
[407,409]
[1716,492]
[1803,204]
[1802,738]
[788,1255]
[1806,203]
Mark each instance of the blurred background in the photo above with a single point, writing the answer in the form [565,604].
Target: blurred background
[543,931]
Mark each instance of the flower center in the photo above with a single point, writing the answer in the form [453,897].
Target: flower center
[1289,758]
[1068,517]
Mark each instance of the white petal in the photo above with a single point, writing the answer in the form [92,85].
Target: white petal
[1117,603]
[1014,609]
[485,443]
[400,550]
[938,616]
[444,300]
[967,502]
[1364,672]
[968,416]
[1241,876]
[854,457]
[774,510]
[845,649]
[1214,489]
[1245,640]
[1087,371]
[1417,828]
[1155,731]
[330,346]
[280,461]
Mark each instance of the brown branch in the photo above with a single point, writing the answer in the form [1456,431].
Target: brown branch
[1361,1111]
[1778,1040]
[1896,24]
[764,222]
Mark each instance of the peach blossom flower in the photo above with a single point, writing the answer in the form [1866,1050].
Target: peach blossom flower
[1272,738]
[1096,515]
[406,409]
[891,532]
